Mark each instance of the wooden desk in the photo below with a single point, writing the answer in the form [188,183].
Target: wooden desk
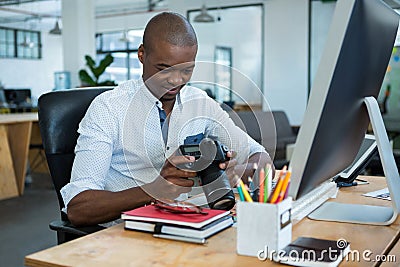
[15,133]
[37,156]
[393,257]
[118,247]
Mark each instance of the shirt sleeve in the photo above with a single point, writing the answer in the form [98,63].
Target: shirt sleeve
[231,135]
[93,151]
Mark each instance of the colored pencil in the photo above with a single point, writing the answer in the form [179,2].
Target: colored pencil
[262,182]
[268,182]
[241,196]
[284,187]
[278,187]
[246,194]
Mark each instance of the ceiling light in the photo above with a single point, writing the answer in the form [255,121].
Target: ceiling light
[27,43]
[56,30]
[203,16]
[125,37]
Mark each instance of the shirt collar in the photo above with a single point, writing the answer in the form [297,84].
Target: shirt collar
[155,100]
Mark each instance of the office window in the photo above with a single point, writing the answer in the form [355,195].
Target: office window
[6,43]
[15,43]
[223,73]
[231,30]
[123,46]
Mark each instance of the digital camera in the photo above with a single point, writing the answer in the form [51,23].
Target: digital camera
[209,154]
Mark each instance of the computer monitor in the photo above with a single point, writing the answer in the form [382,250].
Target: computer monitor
[367,151]
[18,96]
[352,67]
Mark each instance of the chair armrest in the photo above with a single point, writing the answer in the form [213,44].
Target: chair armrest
[67,227]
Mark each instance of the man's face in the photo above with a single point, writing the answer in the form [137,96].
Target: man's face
[167,68]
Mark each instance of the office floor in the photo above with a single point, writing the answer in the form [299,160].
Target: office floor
[24,221]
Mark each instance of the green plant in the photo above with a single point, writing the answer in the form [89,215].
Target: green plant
[97,71]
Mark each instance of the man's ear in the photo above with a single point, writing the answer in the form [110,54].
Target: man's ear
[141,53]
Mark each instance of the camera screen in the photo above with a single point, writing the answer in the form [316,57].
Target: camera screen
[189,149]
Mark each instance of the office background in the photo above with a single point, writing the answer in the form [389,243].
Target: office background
[276,43]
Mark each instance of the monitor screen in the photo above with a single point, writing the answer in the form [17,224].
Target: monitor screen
[18,96]
[352,67]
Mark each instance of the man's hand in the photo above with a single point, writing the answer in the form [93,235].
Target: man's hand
[232,169]
[172,181]
[237,171]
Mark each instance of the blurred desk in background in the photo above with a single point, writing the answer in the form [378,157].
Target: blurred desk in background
[36,154]
[15,135]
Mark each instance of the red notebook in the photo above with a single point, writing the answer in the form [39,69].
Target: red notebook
[152,214]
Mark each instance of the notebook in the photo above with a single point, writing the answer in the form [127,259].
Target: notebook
[152,214]
[171,229]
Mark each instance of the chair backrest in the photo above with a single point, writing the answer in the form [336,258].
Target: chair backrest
[258,124]
[283,127]
[60,113]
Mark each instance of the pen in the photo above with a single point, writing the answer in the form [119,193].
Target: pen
[360,181]
[182,238]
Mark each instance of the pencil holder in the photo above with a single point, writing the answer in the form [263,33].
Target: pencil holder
[263,229]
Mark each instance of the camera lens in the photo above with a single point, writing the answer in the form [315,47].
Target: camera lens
[225,203]
[218,191]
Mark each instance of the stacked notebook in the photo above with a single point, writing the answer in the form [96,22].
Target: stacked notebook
[154,220]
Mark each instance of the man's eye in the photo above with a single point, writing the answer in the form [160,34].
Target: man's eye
[166,70]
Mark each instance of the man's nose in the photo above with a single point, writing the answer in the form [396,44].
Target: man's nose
[175,78]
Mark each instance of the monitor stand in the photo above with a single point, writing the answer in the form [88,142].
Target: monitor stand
[367,214]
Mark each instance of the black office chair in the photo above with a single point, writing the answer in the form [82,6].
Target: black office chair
[59,115]
[258,125]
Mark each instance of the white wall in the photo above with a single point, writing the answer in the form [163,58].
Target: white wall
[32,73]
[78,35]
[286,57]
[136,21]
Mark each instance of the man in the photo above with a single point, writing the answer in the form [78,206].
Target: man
[125,155]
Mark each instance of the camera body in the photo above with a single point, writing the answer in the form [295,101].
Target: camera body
[209,154]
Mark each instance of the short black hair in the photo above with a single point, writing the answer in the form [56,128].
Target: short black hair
[169,27]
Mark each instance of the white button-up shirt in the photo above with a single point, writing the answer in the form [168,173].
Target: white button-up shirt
[121,146]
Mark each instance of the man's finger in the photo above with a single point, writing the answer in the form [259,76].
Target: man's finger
[176,160]
[181,182]
[231,154]
[228,164]
[174,172]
